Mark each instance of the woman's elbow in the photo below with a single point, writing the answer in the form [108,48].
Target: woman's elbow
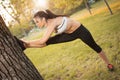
[42,42]
[44,45]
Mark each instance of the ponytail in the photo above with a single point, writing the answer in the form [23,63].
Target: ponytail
[47,14]
[52,15]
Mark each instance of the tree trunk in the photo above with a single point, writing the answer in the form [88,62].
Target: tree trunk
[108,7]
[87,6]
[14,64]
[15,17]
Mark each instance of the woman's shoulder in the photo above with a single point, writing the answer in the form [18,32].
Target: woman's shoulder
[57,20]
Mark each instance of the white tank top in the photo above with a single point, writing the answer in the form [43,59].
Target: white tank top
[62,27]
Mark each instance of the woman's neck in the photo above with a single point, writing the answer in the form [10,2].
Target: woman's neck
[48,22]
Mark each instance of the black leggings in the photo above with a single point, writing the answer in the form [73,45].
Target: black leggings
[81,33]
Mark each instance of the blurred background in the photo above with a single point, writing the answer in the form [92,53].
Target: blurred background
[18,14]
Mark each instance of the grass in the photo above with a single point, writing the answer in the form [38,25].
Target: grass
[75,60]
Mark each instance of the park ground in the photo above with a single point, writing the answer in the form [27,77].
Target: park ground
[75,60]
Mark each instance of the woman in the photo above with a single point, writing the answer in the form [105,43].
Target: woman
[66,30]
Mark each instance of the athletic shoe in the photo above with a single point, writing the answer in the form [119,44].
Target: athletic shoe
[110,67]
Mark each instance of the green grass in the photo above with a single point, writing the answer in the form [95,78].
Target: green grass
[75,60]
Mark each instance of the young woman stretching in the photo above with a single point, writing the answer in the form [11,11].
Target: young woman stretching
[66,30]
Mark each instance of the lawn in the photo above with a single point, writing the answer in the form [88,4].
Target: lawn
[75,60]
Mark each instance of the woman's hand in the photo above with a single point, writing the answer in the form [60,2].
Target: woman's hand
[26,43]
[32,44]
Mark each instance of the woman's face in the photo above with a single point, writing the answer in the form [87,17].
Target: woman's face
[40,22]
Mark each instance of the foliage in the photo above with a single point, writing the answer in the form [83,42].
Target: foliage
[16,30]
[20,11]
[23,8]
[64,6]
[23,31]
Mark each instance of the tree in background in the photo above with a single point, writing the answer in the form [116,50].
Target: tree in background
[108,7]
[68,6]
[14,64]
[64,6]
[8,7]
[20,11]
[23,8]
[88,7]
[87,4]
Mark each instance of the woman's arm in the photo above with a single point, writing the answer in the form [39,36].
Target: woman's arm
[42,42]
[34,46]
[27,45]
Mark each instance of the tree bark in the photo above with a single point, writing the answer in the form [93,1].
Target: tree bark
[14,64]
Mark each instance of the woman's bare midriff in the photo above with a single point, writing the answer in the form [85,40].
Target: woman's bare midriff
[73,27]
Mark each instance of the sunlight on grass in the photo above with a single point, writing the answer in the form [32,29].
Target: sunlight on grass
[75,60]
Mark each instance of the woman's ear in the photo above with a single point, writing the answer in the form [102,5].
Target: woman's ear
[44,20]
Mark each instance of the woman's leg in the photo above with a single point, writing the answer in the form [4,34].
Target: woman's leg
[61,38]
[103,56]
[87,38]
